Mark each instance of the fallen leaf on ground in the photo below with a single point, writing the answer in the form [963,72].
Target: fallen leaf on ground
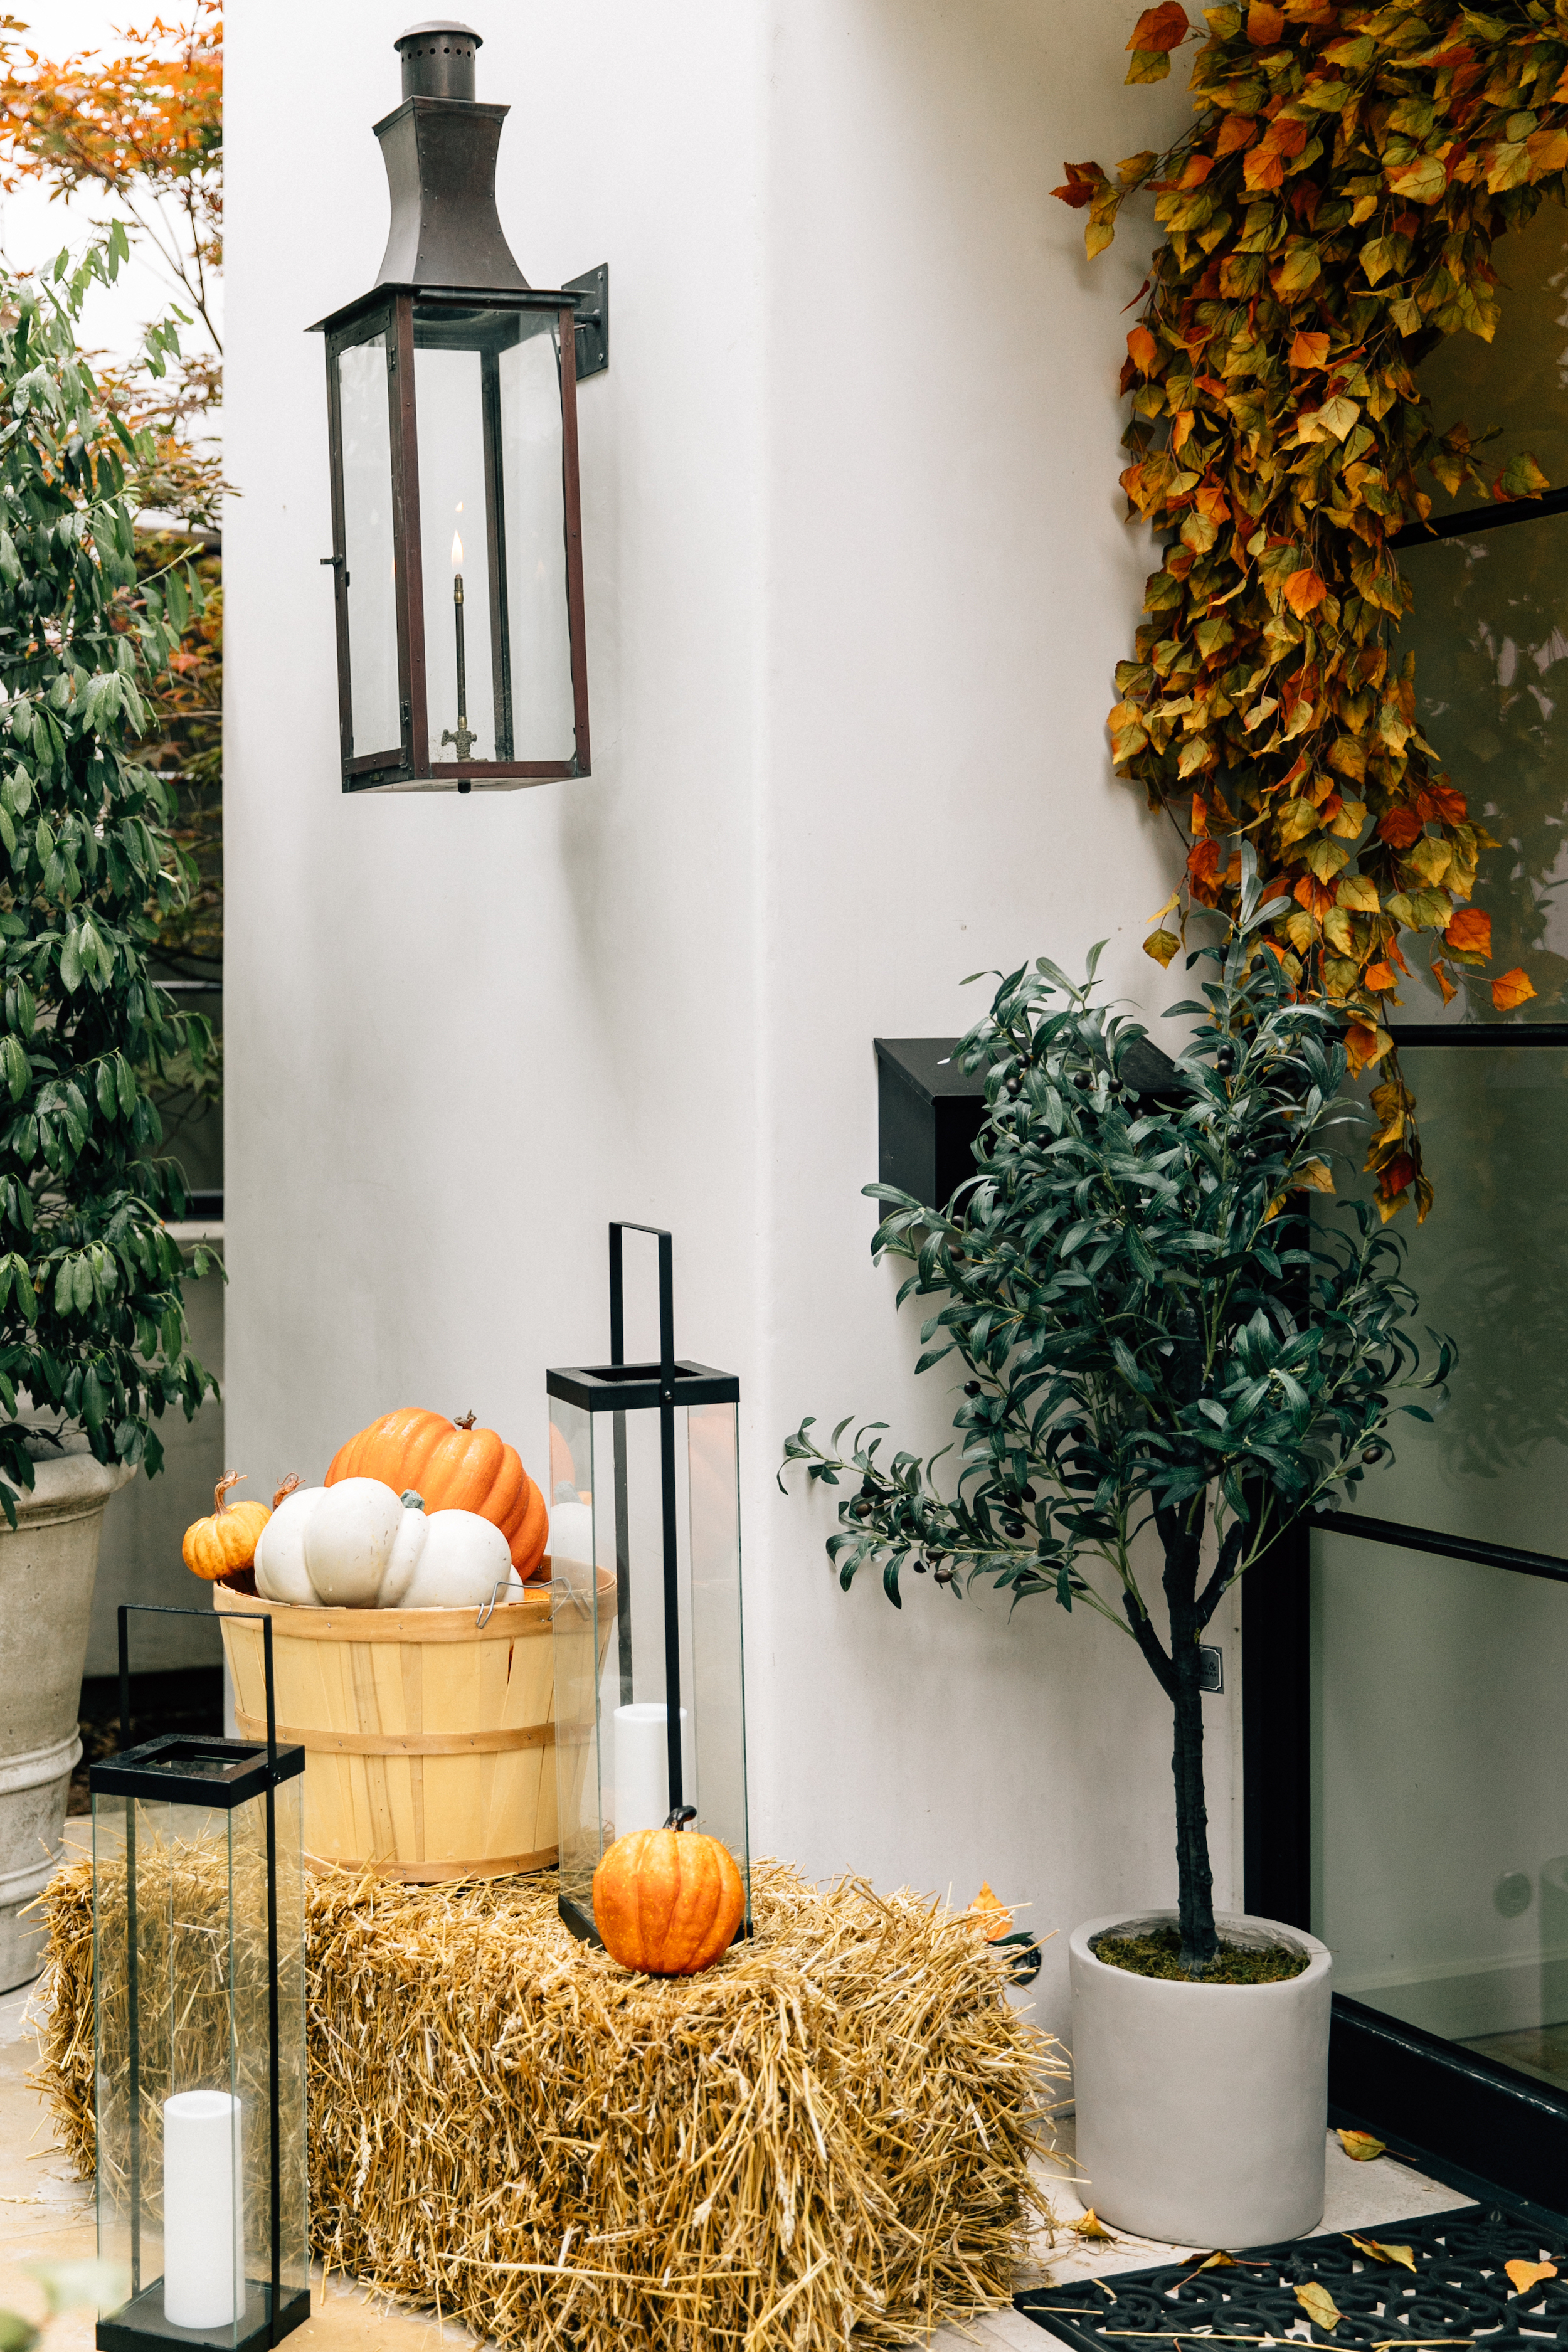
[1090,2226]
[1528,2275]
[1384,2253]
[990,1913]
[1318,2304]
[1361,2146]
[1218,2260]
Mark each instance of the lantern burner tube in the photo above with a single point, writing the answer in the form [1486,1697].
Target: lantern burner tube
[464,738]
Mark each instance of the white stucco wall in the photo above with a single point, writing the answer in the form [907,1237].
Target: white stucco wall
[857,583]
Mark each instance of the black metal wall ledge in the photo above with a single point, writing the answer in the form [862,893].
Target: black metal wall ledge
[1470,2121]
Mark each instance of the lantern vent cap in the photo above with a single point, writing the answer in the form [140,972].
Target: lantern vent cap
[438,58]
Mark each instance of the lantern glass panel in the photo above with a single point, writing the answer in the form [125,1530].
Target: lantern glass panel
[533,471]
[492,512]
[183,1982]
[713,1446]
[368,556]
[616,1643]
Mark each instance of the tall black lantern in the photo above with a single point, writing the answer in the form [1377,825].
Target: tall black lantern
[645,1548]
[452,407]
[198,1946]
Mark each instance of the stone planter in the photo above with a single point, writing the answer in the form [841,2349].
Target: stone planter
[1202,2109]
[47,1570]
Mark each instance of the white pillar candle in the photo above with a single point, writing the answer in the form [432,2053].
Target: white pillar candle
[203,2210]
[642,1766]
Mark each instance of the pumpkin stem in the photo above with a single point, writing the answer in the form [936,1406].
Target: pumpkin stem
[682,1817]
[411,1501]
[230,1479]
[465,1420]
[287,1488]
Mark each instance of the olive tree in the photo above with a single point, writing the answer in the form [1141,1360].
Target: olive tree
[1153,1330]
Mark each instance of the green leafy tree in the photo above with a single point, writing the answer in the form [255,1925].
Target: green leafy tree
[1153,1330]
[91,1319]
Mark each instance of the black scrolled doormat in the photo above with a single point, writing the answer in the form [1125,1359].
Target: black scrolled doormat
[1458,2295]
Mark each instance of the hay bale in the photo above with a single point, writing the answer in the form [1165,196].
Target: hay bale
[830,2130]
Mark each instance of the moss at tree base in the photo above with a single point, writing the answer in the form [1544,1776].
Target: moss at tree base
[1160,1955]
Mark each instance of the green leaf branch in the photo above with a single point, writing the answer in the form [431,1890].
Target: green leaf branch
[92,1328]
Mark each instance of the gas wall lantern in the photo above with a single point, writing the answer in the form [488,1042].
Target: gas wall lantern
[452,419]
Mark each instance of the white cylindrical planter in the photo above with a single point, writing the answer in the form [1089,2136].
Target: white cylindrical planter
[1202,2109]
[47,1569]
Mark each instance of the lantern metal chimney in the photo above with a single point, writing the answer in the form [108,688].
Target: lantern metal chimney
[439,148]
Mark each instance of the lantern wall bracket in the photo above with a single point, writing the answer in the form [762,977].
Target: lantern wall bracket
[593,320]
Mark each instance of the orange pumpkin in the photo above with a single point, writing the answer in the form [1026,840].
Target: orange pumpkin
[668,1903]
[455,1468]
[227,1541]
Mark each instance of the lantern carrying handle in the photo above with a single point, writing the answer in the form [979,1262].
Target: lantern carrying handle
[164,1609]
[666,1482]
[666,1301]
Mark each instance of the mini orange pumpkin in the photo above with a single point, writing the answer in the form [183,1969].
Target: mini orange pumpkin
[668,1903]
[228,1541]
[456,1467]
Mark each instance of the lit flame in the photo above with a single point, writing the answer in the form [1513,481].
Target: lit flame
[457,550]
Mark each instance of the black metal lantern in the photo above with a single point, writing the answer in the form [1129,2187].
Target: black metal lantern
[452,416]
[645,1564]
[199,2035]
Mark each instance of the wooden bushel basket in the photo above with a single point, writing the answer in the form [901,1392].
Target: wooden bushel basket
[428,1738]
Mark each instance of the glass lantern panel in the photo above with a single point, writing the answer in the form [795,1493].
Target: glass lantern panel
[538,634]
[456,527]
[712,1445]
[581,1623]
[369,554]
[251,1978]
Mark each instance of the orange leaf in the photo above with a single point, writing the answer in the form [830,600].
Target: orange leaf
[1471,930]
[1200,814]
[1399,828]
[1303,590]
[1512,990]
[1447,803]
[1362,1047]
[1360,2143]
[1091,2226]
[1528,2275]
[1161,27]
[1264,169]
[1143,349]
[1235,131]
[1309,351]
[1440,975]
[990,1913]
[1081,182]
[1265,24]
[1379,979]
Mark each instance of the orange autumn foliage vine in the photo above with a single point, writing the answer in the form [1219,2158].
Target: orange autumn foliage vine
[1331,216]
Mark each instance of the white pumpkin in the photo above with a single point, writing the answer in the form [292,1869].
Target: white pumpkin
[358,1545]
